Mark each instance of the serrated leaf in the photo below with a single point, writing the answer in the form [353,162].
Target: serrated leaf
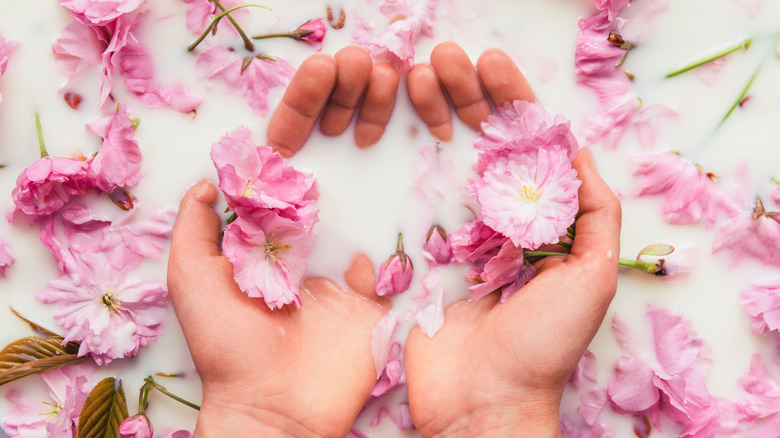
[104,410]
[657,249]
[33,355]
[36,327]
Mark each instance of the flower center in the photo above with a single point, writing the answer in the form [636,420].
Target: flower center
[111,303]
[248,189]
[275,250]
[53,411]
[398,17]
[530,193]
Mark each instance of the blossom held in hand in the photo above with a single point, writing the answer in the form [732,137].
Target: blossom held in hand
[507,271]
[531,197]
[269,254]
[137,426]
[395,275]
[48,184]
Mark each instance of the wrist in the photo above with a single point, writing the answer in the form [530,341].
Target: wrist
[514,422]
[238,420]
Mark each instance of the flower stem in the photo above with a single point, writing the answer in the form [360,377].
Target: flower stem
[144,395]
[41,145]
[564,244]
[247,42]
[274,35]
[646,267]
[150,381]
[529,254]
[720,54]
[742,95]
[216,20]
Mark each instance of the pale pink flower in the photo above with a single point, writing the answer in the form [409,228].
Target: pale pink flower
[613,7]
[6,259]
[6,47]
[44,187]
[507,271]
[759,409]
[118,162]
[429,313]
[395,274]
[200,13]
[68,388]
[519,127]
[671,382]
[529,197]
[137,426]
[100,12]
[595,54]
[689,192]
[410,19]
[269,255]
[762,303]
[381,341]
[254,77]
[255,177]
[314,32]
[755,234]
[109,314]
[437,248]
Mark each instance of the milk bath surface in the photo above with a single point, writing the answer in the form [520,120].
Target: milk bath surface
[368,196]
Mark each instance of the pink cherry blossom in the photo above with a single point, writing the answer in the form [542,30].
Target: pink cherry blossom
[774,194]
[100,12]
[109,314]
[399,413]
[519,127]
[68,388]
[755,233]
[200,13]
[530,197]
[429,312]
[410,20]
[759,410]
[506,271]
[269,254]
[395,274]
[44,187]
[179,434]
[118,162]
[475,241]
[595,54]
[689,193]
[381,341]
[670,382]
[254,77]
[437,248]
[6,259]
[613,7]
[255,177]
[762,303]
[6,47]
[315,32]
[137,426]
[392,373]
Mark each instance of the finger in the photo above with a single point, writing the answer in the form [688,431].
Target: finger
[360,277]
[197,225]
[378,104]
[502,79]
[460,80]
[353,65]
[302,103]
[429,100]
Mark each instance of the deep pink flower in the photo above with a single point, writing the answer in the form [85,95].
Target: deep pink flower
[200,13]
[475,241]
[110,314]
[519,127]
[762,303]
[118,162]
[255,177]
[672,383]
[755,234]
[6,47]
[254,77]
[68,389]
[315,32]
[6,259]
[530,197]
[179,434]
[100,12]
[437,248]
[269,255]
[44,187]
[506,271]
[395,274]
[689,192]
[137,426]
[410,20]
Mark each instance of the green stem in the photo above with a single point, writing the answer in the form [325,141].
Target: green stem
[564,244]
[144,395]
[274,35]
[41,145]
[247,42]
[711,58]
[570,235]
[647,267]
[742,95]
[162,389]
[775,180]
[529,254]
[216,20]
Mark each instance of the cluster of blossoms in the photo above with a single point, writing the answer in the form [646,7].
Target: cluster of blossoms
[526,192]
[103,35]
[410,19]
[270,239]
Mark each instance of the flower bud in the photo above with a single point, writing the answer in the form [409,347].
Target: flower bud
[395,275]
[437,248]
[137,426]
[312,31]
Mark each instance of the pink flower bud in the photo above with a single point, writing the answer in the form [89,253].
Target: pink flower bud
[437,249]
[313,32]
[395,275]
[137,426]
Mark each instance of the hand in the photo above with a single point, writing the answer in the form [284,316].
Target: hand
[500,369]
[333,89]
[289,372]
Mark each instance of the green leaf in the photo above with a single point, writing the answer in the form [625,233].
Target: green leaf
[104,410]
[34,355]
[656,249]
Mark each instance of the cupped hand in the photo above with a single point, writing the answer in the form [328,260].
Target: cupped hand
[500,369]
[289,372]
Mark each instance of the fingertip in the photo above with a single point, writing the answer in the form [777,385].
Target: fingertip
[461,82]
[378,104]
[204,192]
[429,101]
[361,277]
[443,132]
[502,79]
[353,64]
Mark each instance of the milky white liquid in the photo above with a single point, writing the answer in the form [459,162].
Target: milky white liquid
[367,196]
